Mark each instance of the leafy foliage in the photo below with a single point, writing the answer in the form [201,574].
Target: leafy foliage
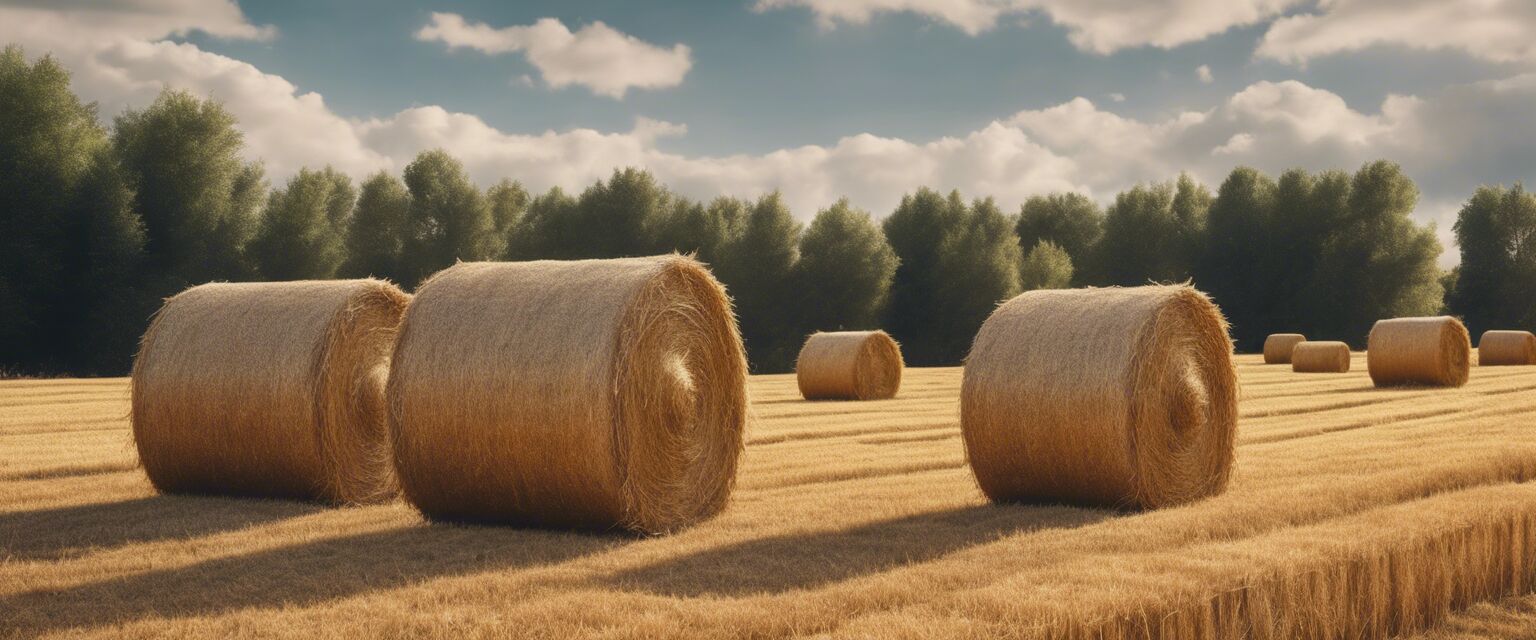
[1497,233]
[844,273]
[1046,266]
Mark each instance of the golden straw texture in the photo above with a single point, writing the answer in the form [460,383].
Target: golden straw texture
[849,365]
[269,389]
[590,394]
[1278,346]
[1323,356]
[1506,348]
[1121,397]
[1431,351]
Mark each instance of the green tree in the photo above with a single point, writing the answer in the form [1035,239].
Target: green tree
[921,230]
[1150,232]
[448,219]
[692,227]
[508,201]
[844,273]
[619,217]
[198,198]
[1046,266]
[757,268]
[1496,284]
[1070,221]
[1239,266]
[376,233]
[549,230]
[302,234]
[105,307]
[981,266]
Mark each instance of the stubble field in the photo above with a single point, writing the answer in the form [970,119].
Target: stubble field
[1353,512]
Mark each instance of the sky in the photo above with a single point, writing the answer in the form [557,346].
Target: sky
[823,99]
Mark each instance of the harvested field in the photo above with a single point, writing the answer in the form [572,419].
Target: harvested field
[1352,512]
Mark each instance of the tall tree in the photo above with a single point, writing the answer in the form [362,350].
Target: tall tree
[508,201]
[921,231]
[694,227]
[377,232]
[302,234]
[106,306]
[620,216]
[448,219]
[1149,233]
[982,269]
[1070,221]
[844,273]
[1046,266]
[198,198]
[1239,266]
[757,269]
[550,229]
[1496,283]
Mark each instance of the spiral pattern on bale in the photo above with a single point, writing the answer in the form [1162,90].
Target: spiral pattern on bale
[1321,356]
[592,394]
[1278,346]
[849,365]
[272,389]
[1121,397]
[1433,351]
[1504,348]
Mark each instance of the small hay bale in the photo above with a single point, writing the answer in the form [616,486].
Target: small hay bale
[1498,348]
[1277,347]
[272,389]
[849,365]
[588,394]
[1431,351]
[1323,356]
[1122,397]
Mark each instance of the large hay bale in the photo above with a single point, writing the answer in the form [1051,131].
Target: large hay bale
[1278,346]
[1323,356]
[589,394]
[1428,351]
[269,389]
[1497,348]
[1123,397]
[849,365]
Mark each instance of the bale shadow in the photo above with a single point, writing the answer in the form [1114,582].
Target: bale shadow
[298,576]
[784,563]
[51,534]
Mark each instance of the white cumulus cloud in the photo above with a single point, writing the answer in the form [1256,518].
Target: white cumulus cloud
[1203,72]
[596,56]
[1495,30]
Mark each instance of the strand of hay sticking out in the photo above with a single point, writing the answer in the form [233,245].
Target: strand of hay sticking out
[1418,351]
[1506,348]
[1323,356]
[269,389]
[849,365]
[1278,346]
[1120,397]
[591,394]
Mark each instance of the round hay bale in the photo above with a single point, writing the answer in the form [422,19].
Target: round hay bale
[588,394]
[1323,356]
[849,365]
[271,389]
[1277,347]
[1122,397]
[1418,351]
[1498,348]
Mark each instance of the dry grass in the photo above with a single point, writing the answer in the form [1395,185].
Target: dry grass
[1347,504]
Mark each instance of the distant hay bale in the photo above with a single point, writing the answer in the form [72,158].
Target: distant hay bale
[1426,351]
[1497,348]
[588,394]
[271,389]
[1323,356]
[1123,397]
[849,365]
[1277,347]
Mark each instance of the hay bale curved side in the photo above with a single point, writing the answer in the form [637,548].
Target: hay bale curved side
[849,365]
[587,394]
[1502,348]
[1278,346]
[1434,351]
[1321,356]
[269,389]
[1123,397]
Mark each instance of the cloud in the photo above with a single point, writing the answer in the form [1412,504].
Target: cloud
[1117,97]
[1494,30]
[1203,72]
[1098,26]
[597,56]
[85,20]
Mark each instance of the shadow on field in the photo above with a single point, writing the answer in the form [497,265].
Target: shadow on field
[50,534]
[299,575]
[783,563]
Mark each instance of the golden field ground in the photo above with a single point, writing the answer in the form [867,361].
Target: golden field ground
[1353,512]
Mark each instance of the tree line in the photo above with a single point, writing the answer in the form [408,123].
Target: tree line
[99,223]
